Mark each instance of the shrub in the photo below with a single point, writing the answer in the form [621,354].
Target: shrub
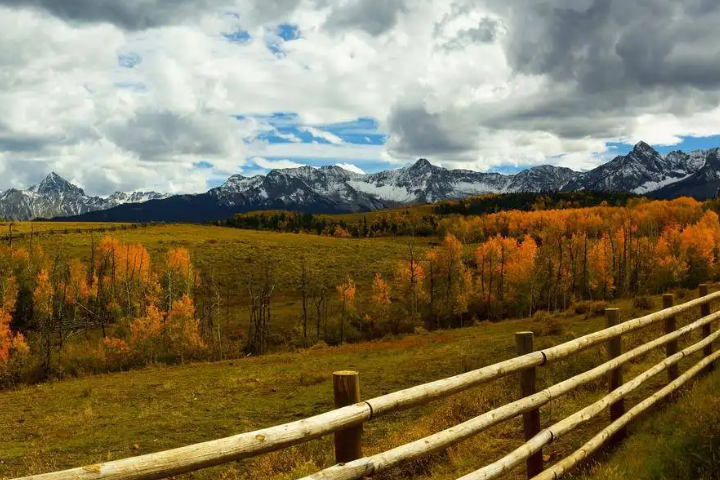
[115,353]
[321,345]
[643,302]
[590,308]
[546,324]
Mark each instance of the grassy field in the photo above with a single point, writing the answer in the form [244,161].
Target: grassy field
[230,254]
[415,210]
[46,227]
[86,420]
[680,441]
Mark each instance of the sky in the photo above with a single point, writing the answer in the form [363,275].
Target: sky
[177,95]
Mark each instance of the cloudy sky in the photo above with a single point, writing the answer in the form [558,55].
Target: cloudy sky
[176,95]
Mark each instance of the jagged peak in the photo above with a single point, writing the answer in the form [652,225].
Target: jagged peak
[55,183]
[548,168]
[642,147]
[422,163]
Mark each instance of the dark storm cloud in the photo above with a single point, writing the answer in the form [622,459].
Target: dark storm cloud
[12,141]
[157,135]
[415,131]
[373,16]
[487,31]
[602,63]
[609,45]
[144,14]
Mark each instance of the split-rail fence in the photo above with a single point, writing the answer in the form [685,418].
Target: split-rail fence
[346,420]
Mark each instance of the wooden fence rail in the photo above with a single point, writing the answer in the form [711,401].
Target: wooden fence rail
[346,422]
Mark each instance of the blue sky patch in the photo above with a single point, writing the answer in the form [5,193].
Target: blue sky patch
[203,165]
[286,127]
[275,49]
[284,32]
[129,59]
[288,32]
[238,36]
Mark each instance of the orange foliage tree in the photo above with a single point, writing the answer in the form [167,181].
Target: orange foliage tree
[12,344]
[409,282]
[346,295]
[378,321]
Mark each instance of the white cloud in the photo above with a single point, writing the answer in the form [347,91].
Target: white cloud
[318,133]
[291,137]
[451,81]
[322,151]
[350,167]
[275,164]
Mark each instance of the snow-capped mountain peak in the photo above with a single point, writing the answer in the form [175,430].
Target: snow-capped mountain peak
[332,189]
[55,184]
[54,196]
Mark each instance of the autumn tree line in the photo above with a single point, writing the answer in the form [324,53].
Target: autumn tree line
[142,311]
[402,223]
[515,263]
[420,223]
[484,267]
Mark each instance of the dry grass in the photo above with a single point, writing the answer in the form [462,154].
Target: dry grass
[229,254]
[95,418]
[55,227]
[86,420]
[681,441]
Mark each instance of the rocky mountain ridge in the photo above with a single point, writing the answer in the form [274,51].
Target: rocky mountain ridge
[332,189]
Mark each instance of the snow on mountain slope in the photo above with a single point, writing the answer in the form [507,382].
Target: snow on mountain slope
[643,170]
[332,189]
[56,197]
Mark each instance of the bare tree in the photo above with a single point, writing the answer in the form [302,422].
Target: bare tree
[304,293]
[320,301]
[212,306]
[413,276]
[260,286]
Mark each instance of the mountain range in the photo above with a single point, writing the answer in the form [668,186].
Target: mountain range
[332,189]
[56,197]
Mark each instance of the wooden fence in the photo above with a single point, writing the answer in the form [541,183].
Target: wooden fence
[345,422]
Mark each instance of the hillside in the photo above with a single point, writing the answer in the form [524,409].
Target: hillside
[70,423]
[679,441]
[186,404]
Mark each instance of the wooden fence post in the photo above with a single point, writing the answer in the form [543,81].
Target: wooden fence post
[615,379]
[706,329]
[531,419]
[670,326]
[346,387]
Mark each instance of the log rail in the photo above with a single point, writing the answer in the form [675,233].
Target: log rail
[346,422]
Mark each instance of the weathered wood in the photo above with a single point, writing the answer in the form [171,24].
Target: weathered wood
[568,424]
[531,419]
[615,379]
[565,465]
[707,329]
[421,394]
[582,343]
[346,389]
[384,461]
[670,326]
[216,452]
[245,445]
